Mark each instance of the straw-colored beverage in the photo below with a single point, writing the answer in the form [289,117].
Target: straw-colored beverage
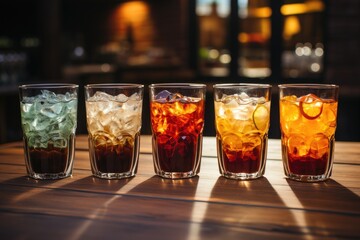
[113,113]
[308,122]
[242,114]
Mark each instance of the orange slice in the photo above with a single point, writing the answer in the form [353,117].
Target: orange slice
[311,106]
[261,117]
[232,142]
[297,145]
[319,146]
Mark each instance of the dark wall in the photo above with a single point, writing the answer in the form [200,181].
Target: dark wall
[21,17]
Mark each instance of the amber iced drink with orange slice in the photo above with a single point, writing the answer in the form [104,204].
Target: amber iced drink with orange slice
[242,114]
[308,122]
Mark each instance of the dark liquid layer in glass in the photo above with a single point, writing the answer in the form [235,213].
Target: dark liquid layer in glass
[48,160]
[242,162]
[308,165]
[113,159]
[177,155]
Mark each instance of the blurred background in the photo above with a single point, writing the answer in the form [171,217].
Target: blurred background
[205,41]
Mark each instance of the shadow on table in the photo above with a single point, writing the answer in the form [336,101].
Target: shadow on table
[161,208]
[172,189]
[91,183]
[331,208]
[317,196]
[156,207]
[247,209]
[66,208]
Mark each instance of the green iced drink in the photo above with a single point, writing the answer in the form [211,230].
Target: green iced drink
[49,117]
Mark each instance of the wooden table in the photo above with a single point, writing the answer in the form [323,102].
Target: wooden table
[204,207]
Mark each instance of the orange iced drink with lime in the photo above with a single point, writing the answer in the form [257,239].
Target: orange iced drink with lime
[308,124]
[242,124]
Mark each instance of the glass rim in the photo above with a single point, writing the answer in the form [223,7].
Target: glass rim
[177,85]
[246,85]
[114,85]
[48,85]
[309,85]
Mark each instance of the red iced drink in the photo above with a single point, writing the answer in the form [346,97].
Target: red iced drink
[177,130]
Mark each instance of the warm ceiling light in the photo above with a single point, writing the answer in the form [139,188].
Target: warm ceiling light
[133,12]
[301,8]
[261,12]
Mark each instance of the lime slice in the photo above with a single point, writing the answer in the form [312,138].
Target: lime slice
[261,117]
[311,106]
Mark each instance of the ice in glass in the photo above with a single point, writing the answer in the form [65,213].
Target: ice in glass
[308,121]
[177,121]
[242,114]
[49,119]
[113,113]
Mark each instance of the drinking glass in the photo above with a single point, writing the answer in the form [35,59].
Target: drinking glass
[308,115]
[177,122]
[49,119]
[242,116]
[113,113]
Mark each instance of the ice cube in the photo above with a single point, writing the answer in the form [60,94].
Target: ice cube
[59,142]
[105,118]
[114,127]
[230,101]
[186,99]
[135,97]
[243,98]
[95,126]
[163,96]
[69,96]
[40,123]
[228,98]
[261,100]
[26,107]
[121,98]
[68,125]
[72,106]
[52,111]
[176,97]
[34,141]
[101,96]
[49,96]
[56,108]
[132,105]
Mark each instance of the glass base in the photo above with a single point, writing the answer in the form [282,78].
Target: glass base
[242,176]
[49,176]
[308,178]
[176,175]
[114,175]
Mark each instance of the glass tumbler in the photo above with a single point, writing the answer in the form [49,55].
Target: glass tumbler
[242,116]
[308,115]
[49,119]
[113,114]
[177,122]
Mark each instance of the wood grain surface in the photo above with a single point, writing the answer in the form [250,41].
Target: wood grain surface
[203,207]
